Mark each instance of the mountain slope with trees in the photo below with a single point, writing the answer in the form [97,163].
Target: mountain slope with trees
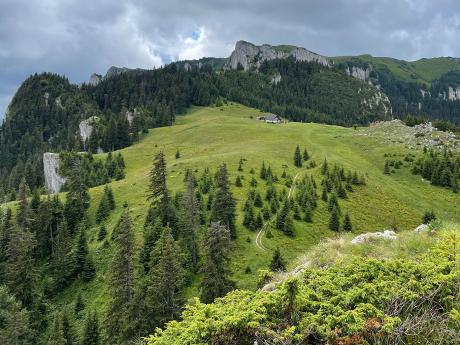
[159,231]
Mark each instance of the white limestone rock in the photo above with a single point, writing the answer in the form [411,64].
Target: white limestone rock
[249,55]
[359,73]
[454,94]
[421,228]
[386,235]
[86,127]
[53,181]
[95,79]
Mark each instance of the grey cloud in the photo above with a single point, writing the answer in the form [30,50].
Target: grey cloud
[79,37]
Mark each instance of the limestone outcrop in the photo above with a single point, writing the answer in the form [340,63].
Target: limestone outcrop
[249,55]
[386,234]
[86,127]
[95,79]
[359,73]
[53,181]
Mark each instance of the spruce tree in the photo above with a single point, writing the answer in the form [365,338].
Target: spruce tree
[305,155]
[79,304]
[324,194]
[347,223]
[165,279]
[223,209]
[282,216]
[386,169]
[333,203]
[103,209]
[216,272]
[263,171]
[91,335]
[258,200]
[77,200]
[238,182]
[122,282]
[62,263]
[57,334]
[152,233]
[102,233]
[288,228]
[324,167]
[111,199]
[277,264]
[68,329]
[158,191]
[297,157]
[15,328]
[334,222]
[190,220]
[19,269]
[83,264]
[24,215]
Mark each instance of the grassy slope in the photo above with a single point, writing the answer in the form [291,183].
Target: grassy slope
[422,71]
[207,137]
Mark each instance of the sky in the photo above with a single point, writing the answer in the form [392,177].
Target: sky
[80,37]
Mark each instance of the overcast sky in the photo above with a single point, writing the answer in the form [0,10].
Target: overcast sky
[79,37]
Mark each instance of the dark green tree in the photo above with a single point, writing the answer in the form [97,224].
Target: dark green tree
[165,279]
[216,272]
[15,326]
[386,169]
[238,182]
[19,269]
[277,264]
[347,226]
[158,191]
[334,222]
[152,233]
[305,155]
[122,283]
[428,217]
[189,220]
[297,157]
[83,264]
[223,209]
[24,215]
[62,263]
[91,335]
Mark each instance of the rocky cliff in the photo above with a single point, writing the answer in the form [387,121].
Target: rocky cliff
[249,55]
[359,73]
[53,181]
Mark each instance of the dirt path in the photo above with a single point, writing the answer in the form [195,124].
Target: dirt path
[261,232]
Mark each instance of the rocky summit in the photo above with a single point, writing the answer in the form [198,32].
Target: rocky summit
[249,55]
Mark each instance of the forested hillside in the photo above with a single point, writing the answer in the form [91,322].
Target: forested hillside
[426,87]
[219,201]
[46,111]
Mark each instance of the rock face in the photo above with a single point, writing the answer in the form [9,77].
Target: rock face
[53,181]
[359,73]
[95,79]
[130,115]
[112,71]
[86,127]
[422,228]
[387,235]
[249,55]
[454,94]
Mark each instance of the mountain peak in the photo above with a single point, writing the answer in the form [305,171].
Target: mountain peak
[249,55]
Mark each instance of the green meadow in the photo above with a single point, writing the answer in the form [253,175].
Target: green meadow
[208,137]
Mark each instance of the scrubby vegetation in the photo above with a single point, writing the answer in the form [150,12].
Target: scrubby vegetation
[412,301]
